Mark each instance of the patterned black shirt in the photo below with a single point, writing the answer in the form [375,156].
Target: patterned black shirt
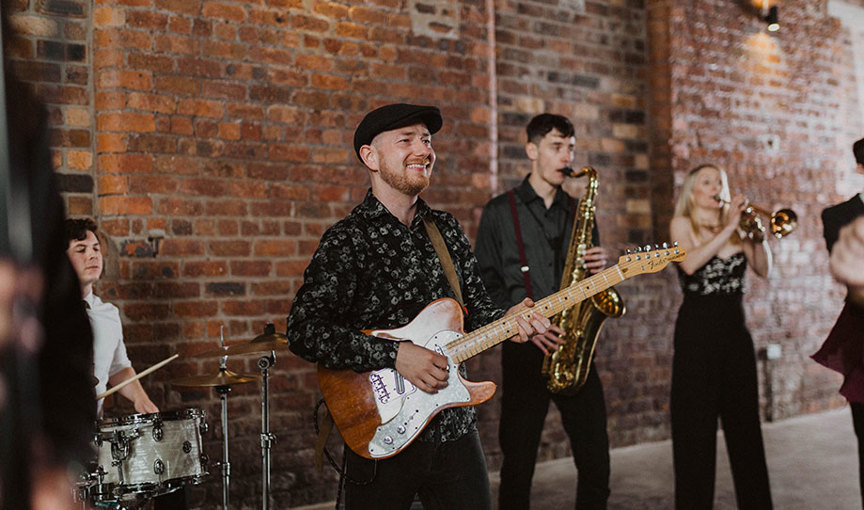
[372,271]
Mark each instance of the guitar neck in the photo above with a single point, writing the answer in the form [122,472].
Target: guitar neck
[496,332]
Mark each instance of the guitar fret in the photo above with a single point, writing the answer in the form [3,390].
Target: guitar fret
[498,331]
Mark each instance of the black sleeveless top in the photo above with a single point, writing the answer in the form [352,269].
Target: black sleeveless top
[717,277]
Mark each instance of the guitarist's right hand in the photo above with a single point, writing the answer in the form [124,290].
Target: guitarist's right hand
[426,369]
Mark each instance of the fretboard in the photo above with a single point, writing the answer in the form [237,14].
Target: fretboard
[496,332]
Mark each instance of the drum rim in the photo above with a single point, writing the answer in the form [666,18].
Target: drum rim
[132,419]
[115,492]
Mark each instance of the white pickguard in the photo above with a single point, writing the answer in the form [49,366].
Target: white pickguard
[404,409]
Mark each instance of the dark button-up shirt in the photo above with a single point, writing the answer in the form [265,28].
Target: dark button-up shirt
[546,237]
[370,271]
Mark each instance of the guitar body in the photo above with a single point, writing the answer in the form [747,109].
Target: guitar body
[379,413]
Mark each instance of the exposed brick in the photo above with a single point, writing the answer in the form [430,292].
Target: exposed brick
[126,163]
[75,183]
[251,268]
[242,308]
[178,85]
[113,78]
[200,108]
[79,160]
[237,248]
[196,309]
[181,247]
[201,268]
[140,122]
[226,288]
[116,204]
[113,185]
[79,206]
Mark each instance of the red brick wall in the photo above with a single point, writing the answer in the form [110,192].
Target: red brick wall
[588,61]
[53,53]
[726,96]
[226,125]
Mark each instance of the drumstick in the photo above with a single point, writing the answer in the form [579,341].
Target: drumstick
[157,366]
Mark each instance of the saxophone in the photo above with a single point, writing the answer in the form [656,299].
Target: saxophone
[566,369]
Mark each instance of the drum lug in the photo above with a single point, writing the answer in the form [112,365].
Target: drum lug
[158,434]
[204,427]
[158,467]
[205,461]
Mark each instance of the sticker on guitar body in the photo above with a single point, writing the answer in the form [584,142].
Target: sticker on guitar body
[403,410]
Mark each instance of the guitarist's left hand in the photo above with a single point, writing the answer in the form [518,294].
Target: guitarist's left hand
[538,329]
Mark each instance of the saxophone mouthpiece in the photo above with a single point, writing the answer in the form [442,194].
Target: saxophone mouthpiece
[568,171]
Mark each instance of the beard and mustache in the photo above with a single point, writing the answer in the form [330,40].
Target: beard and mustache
[408,181]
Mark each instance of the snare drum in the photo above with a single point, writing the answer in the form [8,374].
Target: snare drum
[145,455]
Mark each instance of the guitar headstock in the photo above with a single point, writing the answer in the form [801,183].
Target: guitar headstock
[646,260]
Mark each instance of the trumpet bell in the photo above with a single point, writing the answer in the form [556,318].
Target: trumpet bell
[783,222]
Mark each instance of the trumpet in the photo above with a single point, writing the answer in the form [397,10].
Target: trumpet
[782,222]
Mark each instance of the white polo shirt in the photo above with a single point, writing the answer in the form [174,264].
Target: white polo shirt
[109,351]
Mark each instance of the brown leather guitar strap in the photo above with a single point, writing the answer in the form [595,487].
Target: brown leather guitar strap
[443,257]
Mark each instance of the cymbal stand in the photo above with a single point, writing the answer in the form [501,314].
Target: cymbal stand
[223,396]
[226,466]
[267,439]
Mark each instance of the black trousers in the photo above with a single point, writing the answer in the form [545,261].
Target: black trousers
[447,475]
[858,423]
[714,377]
[524,404]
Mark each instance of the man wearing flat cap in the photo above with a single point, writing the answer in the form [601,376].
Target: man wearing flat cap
[378,268]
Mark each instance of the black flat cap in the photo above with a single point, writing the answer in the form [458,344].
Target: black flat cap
[393,116]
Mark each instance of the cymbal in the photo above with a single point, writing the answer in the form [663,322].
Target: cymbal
[260,345]
[222,378]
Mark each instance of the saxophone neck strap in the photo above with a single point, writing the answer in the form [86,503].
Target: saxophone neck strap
[443,257]
[526,271]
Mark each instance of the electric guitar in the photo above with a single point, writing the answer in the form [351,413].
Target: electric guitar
[379,413]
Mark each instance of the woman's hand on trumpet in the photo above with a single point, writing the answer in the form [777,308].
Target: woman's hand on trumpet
[736,208]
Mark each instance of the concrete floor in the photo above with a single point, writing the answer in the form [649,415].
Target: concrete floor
[812,464]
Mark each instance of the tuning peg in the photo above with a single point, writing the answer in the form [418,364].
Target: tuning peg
[638,249]
[627,251]
[647,247]
[675,244]
[665,245]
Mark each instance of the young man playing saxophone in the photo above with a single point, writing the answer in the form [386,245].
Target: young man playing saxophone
[545,215]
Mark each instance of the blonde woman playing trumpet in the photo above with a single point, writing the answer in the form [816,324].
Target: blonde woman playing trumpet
[714,364]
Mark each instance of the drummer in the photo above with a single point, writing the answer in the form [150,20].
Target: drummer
[110,362]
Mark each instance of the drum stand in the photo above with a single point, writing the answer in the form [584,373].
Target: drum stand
[267,439]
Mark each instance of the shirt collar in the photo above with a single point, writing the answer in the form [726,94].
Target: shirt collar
[526,194]
[372,208]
